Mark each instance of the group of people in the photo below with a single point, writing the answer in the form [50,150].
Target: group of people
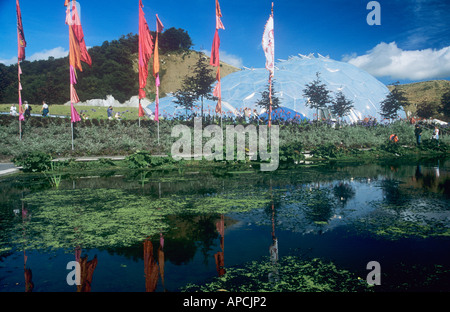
[418,133]
[28,109]
[248,114]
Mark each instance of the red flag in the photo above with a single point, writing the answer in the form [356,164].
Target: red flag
[145,50]
[141,110]
[159,25]
[21,43]
[214,61]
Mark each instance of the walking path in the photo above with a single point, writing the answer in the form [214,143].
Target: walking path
[10,168]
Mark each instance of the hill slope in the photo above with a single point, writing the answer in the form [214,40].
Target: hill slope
[175,66]
[419,93]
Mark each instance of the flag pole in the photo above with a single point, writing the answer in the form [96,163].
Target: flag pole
[20,100]
[21,44]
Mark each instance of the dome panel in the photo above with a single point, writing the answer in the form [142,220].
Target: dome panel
[243,88]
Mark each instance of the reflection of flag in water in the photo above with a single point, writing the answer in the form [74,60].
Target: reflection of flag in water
[215,59]
[159,28]
[150,267]
[219,256]
[86,271]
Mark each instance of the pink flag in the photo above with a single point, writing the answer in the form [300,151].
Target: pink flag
[74,114]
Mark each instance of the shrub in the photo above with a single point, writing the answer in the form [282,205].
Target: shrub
[139,159]
[34,161]
[291,153]
[326,151]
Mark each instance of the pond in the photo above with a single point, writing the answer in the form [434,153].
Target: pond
[218,229]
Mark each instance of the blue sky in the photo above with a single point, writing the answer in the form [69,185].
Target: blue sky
[411,44]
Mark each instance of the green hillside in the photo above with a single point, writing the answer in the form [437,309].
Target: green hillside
[424,93]
[114,72]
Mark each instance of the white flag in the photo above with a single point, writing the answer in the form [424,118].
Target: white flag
[268,44]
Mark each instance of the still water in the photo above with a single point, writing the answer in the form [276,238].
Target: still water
[161,230]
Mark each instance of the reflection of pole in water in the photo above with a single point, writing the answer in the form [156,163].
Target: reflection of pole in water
[29,285]
[219,256]
[273,249]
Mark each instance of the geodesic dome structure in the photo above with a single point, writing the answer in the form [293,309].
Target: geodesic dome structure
[243,88]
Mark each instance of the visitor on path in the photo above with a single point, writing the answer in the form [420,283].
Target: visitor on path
[393,138]
[13,110]
[109,111]
[436,135]
[44,109]
[418,134]
[27,110]
[247,114]
[255,113]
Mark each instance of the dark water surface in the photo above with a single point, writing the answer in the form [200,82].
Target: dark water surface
[159,231]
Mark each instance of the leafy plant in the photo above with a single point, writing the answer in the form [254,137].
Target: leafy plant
[34,161]
[291,153]
[139,160]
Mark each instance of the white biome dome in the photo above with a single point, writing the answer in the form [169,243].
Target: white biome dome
[243,88]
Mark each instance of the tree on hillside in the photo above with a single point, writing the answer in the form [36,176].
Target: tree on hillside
[317,95]
[174,39]
[394,101]
[426,110]
[445,104]
[197,86]
[341,106]
[264,102]
[185,99]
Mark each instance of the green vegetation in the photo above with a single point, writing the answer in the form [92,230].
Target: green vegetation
[290,274]
[100,137]
[112,72]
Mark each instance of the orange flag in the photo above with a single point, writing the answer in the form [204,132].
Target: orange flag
[78,51]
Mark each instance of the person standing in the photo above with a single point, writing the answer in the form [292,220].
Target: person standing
[418,133]
[13,110]
[109,111]
[27,110]
[436,135]
[44,109]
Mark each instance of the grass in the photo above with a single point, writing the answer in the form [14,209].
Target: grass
[93,112]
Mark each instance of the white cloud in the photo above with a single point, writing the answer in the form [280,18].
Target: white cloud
[388,60]
[57,52]
[225,57]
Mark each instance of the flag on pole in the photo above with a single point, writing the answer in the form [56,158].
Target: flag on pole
[215,59]
[21,43]
[77,53]
[268,45]
[159,28]
[145,50]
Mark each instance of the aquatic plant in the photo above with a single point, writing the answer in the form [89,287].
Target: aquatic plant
[289,274]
